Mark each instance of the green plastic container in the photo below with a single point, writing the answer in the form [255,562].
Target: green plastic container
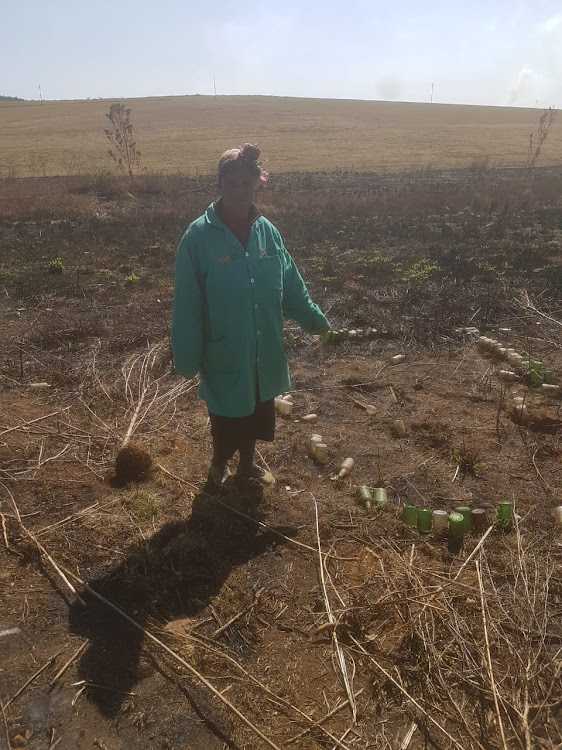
[466,513]
[547,376]
[505,515]
[410,515]
[534,377]
[479,520]
[537,366]
[424,520]
[380,496]
[364,496]
[456,525]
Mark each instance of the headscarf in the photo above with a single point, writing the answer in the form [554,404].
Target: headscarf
[245,156]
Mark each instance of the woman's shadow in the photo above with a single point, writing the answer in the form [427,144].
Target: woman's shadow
[173,574]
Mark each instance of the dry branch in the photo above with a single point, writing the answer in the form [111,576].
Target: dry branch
[488,656]
[42,549]
[340,656]
[65,666]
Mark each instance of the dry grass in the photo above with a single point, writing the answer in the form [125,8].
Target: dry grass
[187,134]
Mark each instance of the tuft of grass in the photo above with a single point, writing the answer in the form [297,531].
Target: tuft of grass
[56,266]
[131,278]
[468,462]
[141,503]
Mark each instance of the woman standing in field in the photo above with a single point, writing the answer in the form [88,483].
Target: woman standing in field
[234,282]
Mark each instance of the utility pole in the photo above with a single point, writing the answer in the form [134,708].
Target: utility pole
[215,85]
[40,95]
[431,100]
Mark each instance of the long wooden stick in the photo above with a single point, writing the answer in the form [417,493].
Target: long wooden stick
[178,658]
[339,651]
[42,549]
[64,667]
[488,655]
[33,421]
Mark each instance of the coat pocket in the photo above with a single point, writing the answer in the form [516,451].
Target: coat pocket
[216,357]
[270,270]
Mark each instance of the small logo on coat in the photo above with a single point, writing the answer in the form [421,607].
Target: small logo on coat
[225,259]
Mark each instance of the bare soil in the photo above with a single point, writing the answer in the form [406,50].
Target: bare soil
[232,584]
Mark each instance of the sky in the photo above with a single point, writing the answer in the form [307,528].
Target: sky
[494,52]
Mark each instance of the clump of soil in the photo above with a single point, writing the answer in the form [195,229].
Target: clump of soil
[132,463]
[543,420]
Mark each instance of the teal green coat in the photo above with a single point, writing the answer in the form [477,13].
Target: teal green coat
[229,303]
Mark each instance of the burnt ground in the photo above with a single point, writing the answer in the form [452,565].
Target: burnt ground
[233,586]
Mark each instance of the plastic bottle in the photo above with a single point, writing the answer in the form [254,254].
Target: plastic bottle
[364,496]
[314,440]
[440,522]
[479,520]
[558,515]
[456,532]
[508,376]
[410,515]
[347,466]
[424,520]
[522,414]
[466,513]
[310,418]
[380,496]
[321,453]
[397,359]
[285,407]
[505,515]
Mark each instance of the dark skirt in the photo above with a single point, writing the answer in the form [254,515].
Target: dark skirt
[237,431]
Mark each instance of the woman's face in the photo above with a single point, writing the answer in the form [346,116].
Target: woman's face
[238,189]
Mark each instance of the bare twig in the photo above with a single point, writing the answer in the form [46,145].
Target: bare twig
[340,657]
[238,615]
[33,421]
[544,483]
[8,742]
[488,656]
[4,531]
[42,549]
[64,667]
[35,676]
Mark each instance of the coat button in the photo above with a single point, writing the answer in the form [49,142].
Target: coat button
[251,281]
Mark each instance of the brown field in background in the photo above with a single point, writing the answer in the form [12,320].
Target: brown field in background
[187,134]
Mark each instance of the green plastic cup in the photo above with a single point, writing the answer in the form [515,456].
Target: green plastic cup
[466,513]
[534,377]
[505,514]
[456,525]
[410,515]
[424,520]
[547,376]
[537,366]
[380,496]
[479,520]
